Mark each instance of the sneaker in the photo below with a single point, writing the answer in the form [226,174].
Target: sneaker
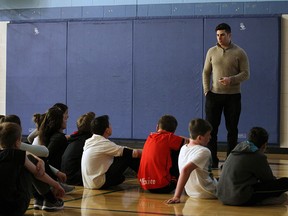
[38,204]
[49,206]
[67,188]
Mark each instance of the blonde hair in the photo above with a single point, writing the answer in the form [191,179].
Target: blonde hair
[84,122]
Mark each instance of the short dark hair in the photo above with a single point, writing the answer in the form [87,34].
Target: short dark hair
[223,26]
[10,132]
[168,123]
[100,124]
[258,136]
[199,127]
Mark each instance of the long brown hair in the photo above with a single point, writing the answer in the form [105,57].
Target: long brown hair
[51,124]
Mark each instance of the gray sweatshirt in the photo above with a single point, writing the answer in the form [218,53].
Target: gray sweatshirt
[244,167]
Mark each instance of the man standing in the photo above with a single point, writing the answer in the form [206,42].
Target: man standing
[226,66]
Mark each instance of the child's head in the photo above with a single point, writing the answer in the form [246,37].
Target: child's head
[100,125]
[167,123]
[84,122]
[11,118]
[199,127]
[10,135]
[258,136]
[64,109]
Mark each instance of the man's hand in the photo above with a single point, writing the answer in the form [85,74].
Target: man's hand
[225,81]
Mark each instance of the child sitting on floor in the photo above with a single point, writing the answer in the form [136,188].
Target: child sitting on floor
[247,178]
[158,171]
[195,164]
[104,162]
[16,179]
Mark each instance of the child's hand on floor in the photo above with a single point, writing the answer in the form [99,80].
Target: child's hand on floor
[173,200]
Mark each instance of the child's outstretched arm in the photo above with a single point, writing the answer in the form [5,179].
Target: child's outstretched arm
[183,178]
[186,140]
[58,190]
[40,151]
[60,175]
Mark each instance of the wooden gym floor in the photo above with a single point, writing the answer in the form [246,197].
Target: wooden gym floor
[128,199]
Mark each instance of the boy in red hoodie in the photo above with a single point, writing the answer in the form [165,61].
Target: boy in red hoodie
[158,171]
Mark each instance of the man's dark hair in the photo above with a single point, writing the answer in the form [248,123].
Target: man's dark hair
[100,124]
[259,136]
[223,26]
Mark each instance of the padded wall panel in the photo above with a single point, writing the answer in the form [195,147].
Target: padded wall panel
[100,72]
[167,62]
[260,38]
[136,71]
[36,69]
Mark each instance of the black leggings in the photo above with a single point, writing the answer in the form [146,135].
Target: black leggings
[269,189]
[41,190]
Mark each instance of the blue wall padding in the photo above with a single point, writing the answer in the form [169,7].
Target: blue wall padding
[137,70]
[36,69]
[100,72]
[168,63]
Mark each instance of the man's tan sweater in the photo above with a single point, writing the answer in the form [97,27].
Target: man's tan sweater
[231,62]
